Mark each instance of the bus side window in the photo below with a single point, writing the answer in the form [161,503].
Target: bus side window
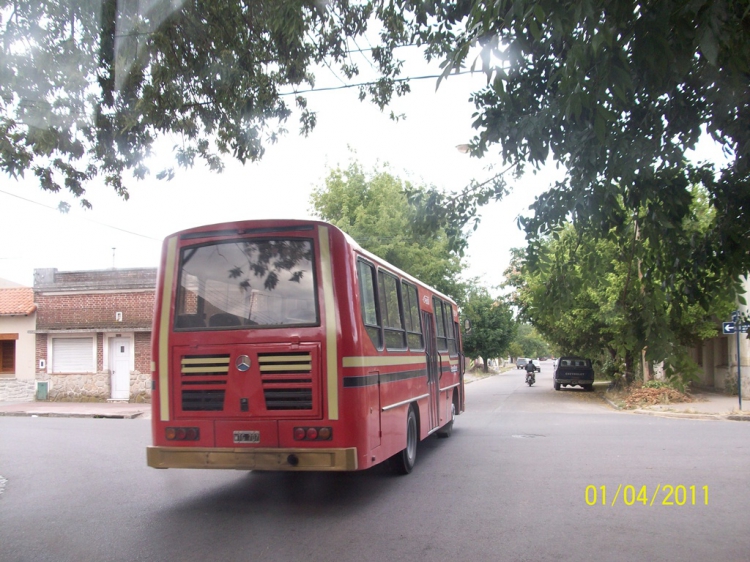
[449,326]
[369,302]
[390,308]
[412,317]
[442,340]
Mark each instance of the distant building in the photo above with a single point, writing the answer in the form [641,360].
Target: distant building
[17,342]
[717,359]
[93,333]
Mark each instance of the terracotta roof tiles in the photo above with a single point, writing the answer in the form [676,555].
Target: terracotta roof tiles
[17,302]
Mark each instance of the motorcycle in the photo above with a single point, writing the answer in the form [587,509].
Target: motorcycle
[530,378]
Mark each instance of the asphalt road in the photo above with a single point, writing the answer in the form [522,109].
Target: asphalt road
[512,483]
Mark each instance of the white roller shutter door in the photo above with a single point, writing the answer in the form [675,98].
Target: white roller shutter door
[73,355]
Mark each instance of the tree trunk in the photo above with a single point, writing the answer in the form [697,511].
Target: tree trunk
[486,365]
[629,363]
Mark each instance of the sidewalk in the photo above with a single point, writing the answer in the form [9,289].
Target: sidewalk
[117,410]
[705,405]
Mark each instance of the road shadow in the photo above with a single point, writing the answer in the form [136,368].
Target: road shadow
[270,492]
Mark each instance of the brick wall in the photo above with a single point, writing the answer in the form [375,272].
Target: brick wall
[41,352]
[88,301]
[97,310]
[143,352]
[52,279]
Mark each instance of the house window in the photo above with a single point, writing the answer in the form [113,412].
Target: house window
[8,353]
[73,355]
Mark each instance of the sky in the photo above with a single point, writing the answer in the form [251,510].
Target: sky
[420,148]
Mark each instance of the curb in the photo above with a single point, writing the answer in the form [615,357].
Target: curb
[679,415]
[608,401]
[474,378]
[71,415]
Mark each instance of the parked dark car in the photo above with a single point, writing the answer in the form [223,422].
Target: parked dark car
[573,371]
[521,362]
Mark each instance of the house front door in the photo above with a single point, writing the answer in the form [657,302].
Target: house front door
[119,367]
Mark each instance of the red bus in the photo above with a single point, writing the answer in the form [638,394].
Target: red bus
[283,345]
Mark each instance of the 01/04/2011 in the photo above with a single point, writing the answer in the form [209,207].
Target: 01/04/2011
[630,495]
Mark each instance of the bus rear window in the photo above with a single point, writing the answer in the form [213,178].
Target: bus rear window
[247,284]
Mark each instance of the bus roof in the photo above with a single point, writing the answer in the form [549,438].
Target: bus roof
[223,229]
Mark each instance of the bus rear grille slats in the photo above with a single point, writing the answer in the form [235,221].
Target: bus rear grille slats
[203,370]
[286,380]
[288,398]
[202,400]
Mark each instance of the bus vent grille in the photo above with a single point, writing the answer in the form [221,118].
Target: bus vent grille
[287,380]
[202,400]
[202,374]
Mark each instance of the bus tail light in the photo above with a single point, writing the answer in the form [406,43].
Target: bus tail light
[313,433]
[182,434]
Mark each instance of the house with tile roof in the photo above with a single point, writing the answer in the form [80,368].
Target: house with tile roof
[93,333]
[18,314]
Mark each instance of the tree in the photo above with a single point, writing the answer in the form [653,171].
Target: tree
[492,326]
[608,297]
[87,86]
[617,92]
[374,210]
[528,342]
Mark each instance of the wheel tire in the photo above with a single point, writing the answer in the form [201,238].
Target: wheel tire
[447,429]
[403,461]
[557,386]
[588,387]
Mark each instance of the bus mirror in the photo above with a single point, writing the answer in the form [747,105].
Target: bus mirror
[467,326]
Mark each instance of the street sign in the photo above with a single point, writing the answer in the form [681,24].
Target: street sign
[733,328]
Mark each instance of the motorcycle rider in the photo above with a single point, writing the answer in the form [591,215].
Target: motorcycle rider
[530,369]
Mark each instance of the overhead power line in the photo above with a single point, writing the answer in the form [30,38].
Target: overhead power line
[371,83]
[84,218]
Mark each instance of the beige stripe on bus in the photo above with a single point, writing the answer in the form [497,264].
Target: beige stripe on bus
[284,368]
[383,361]
[284,358]
[326,275]
[166,301]
[204,360]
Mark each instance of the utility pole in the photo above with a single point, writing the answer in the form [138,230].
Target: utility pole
[736,319]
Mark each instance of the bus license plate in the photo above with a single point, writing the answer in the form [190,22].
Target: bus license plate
[247,436]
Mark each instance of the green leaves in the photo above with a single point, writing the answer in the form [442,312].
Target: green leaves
[619,96]
[630,291]
[91,84]
[375,210]
[492,326]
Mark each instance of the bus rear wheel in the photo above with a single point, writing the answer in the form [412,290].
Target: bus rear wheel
[403,461]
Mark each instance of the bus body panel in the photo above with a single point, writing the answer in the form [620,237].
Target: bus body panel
[248,392]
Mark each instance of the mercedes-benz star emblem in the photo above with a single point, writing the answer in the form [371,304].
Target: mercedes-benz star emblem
[242,363]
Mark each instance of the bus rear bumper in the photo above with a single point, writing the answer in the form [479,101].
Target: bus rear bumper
[253,459]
